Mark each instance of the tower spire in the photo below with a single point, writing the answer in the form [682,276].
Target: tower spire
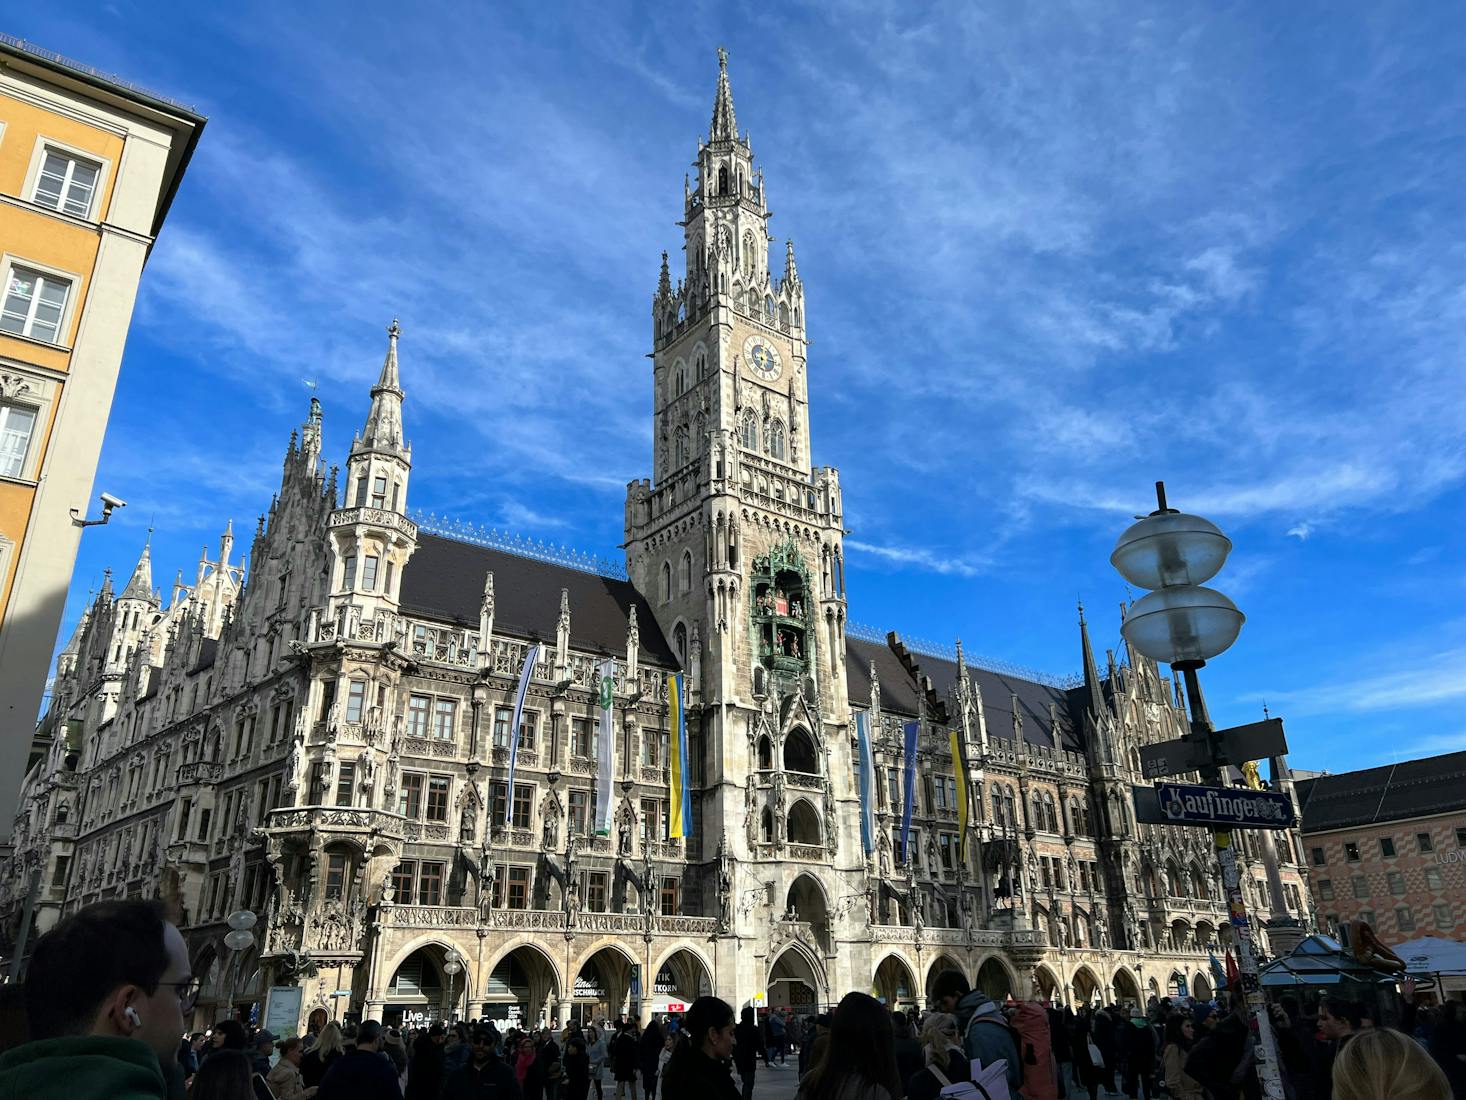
[384,422]
[140,586]
[1091,671]
[725,124]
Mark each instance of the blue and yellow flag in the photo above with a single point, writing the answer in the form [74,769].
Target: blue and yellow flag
[959,765]
[679,791]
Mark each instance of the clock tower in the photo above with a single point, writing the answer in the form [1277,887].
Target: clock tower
[736,542]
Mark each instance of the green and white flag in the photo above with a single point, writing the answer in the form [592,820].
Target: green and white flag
[605,746]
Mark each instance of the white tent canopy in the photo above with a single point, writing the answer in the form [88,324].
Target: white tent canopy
[1432,955]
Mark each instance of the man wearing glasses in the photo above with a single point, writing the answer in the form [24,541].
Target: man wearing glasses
[106,993]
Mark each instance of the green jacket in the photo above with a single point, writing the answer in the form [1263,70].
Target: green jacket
[82,1067]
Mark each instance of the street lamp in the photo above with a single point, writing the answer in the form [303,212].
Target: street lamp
[239,939]
[1184,625]
[451,966]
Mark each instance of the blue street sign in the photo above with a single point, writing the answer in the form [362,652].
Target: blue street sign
[1234,807]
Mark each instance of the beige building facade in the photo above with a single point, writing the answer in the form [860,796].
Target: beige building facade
[88,168]
[323,740]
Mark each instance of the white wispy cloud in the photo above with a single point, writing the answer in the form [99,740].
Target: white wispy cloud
[920,557]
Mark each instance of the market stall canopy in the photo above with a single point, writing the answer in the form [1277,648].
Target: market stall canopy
[1319,960]
[1433,955]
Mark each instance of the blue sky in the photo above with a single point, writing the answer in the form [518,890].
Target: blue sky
[1051,253]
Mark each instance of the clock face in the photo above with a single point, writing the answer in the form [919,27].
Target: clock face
[762,358]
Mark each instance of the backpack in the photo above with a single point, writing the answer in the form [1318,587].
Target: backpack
[996,1020]
[986,1084]
[1030,1025]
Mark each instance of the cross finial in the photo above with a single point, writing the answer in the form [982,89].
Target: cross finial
[394,330]
[722,59]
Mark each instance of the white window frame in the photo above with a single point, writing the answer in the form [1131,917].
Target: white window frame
[33,176]
[68,311]
[24,387]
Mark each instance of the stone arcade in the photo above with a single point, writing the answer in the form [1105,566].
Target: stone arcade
[323,740]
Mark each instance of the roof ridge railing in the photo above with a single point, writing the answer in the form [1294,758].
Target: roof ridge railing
[521,546]
[43,54]
[949,653]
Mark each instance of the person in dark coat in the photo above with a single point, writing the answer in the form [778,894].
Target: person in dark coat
[577,1068]
[700,1066]
[625,1059]
[648,1050]
[1137,1043]
[485,1076]
[363,1073]
[748,1048]
[1088,1073]
[908,1050]
[425,1070]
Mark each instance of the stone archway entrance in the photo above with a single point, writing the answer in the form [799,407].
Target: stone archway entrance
[602,988]
[1045,985]
[994,979]
[521,988]
[806,903]
[1086,987]
[1127,989]
[681,979]
[795,982]
[894,985]
[940,965]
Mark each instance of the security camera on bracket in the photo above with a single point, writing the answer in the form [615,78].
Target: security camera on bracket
[109,504]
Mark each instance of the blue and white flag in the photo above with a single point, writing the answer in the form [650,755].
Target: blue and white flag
[605,745]
[908,795]
[530,660]
[867,782]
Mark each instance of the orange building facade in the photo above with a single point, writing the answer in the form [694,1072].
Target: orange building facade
[88,168]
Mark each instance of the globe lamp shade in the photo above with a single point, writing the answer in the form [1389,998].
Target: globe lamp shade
[1169,549]
[242,921]
[1183,624]
[239,939]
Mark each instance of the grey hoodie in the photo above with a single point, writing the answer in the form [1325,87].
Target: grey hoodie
[986,1035]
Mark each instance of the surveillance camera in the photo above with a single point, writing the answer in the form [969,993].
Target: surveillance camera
[110,502]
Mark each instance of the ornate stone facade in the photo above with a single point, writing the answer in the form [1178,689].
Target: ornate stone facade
[325,744]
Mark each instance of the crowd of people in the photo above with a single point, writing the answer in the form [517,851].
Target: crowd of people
[107,991]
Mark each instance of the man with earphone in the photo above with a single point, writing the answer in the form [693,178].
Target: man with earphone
[106,994]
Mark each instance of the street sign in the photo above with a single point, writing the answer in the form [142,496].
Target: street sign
[1218,807]
[1174,757]
[1239,744]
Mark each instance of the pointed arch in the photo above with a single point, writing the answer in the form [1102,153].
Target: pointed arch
[777,438]
[940,965]
[799,752]
[996,978]
[797,979]
[748,430]
[804,823]
[766,825]
[684,572]
[893,983]
[1126,987]
[679,643]
[1045,985]
[765,752]
[1086,985]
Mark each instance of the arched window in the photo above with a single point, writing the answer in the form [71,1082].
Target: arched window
[680,453]
[749,260]
[702,366]
[723,180]
[679,380]
[679,643]
[684,572]
[1037,820]
[765,753]
[776,438]
[748,431]
[1051,817]
[783,317]
[998,818]
[766,826]
[769,309]
[666,581]
[799,755]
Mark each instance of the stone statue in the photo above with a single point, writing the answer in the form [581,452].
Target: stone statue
[1101,932]
[468,820]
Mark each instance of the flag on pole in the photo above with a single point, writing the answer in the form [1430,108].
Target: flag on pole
[908,792]
[605,746]
[959,765]
[679,793]
[867,782]
[530,660]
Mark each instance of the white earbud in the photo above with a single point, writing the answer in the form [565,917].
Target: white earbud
[131,1014]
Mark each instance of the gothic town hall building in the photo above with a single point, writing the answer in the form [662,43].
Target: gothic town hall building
[321,738]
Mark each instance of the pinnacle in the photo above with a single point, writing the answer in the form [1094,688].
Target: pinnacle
[725,124]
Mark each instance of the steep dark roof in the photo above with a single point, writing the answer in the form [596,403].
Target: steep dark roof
[445,580]
[898,693]
[1392,792]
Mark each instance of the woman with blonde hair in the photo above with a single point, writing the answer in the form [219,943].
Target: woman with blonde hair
[319,1058]
[1381,1064]
[942,1057]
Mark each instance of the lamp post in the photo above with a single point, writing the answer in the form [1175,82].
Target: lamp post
[1184,625]
[238,940]
[451,967]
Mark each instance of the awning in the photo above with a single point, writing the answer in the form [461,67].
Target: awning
[1432,955]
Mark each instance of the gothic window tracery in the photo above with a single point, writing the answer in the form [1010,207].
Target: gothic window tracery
[680,453]
[666,581]
[679,643]
[684,572]
[777,438]
[748,430]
